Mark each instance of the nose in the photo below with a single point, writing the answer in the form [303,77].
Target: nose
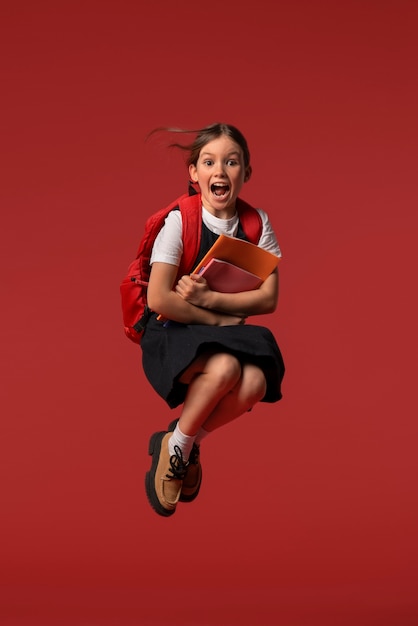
[219,168]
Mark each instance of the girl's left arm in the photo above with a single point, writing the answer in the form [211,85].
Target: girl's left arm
[195,290]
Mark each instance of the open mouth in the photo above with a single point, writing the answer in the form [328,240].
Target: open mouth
[219,189]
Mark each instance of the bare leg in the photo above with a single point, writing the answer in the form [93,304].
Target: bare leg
[220,390]
[210,378]
[249,390]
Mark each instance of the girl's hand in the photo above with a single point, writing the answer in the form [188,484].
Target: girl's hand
[194,289]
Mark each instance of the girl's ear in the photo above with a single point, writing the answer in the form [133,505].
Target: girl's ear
[193,173]
[248,173]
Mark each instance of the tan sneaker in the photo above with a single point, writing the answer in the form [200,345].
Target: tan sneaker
[193,477]
[164,481]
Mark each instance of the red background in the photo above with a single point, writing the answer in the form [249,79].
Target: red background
[308,511]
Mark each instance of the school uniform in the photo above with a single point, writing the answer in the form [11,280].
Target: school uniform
[168,348]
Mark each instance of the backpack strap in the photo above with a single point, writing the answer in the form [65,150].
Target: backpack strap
[250,221]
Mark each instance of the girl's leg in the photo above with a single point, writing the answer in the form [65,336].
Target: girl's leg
[219,390]
[210,378]
[249,390]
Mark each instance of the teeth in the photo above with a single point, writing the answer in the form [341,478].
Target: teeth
[219,189]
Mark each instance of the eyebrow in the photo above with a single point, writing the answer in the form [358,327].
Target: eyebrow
[234,153]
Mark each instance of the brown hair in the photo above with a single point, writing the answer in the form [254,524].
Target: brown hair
[204,136]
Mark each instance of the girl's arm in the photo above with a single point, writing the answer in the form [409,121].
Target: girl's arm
[194,289]
[162,299]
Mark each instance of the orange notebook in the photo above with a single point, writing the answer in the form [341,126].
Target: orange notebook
[242,253]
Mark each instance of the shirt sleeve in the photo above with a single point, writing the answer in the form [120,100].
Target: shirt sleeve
[268,239]
[168,245]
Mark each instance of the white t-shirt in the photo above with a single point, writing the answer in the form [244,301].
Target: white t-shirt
[168,246]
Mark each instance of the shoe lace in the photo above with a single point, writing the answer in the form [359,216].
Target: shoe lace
[178,466]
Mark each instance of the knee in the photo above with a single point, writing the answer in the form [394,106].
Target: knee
[254,385]
[225,370]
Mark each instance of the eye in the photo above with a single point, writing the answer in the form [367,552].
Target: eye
[232,162]
[208,162]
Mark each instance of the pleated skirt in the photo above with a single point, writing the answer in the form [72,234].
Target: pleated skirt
[167,351]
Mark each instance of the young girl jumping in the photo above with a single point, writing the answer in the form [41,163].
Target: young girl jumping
[206,357]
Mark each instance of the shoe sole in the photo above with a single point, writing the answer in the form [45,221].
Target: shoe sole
[184,498]
[154,449]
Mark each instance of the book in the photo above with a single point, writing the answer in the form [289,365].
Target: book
[248,256]
[243,255]
[228,278]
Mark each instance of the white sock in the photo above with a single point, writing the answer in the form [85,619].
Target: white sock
[201,434]
[184,442]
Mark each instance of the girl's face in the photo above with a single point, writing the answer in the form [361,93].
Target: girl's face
[221,173]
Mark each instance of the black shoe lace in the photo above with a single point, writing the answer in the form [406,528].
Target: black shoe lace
[178,466]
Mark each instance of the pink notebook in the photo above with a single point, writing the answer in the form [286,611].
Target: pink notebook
[228,278]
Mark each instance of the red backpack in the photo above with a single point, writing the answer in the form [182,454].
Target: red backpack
[133,288]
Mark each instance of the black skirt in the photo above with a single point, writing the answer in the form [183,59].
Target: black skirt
[167,351]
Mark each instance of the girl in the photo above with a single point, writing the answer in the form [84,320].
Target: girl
[206,357]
